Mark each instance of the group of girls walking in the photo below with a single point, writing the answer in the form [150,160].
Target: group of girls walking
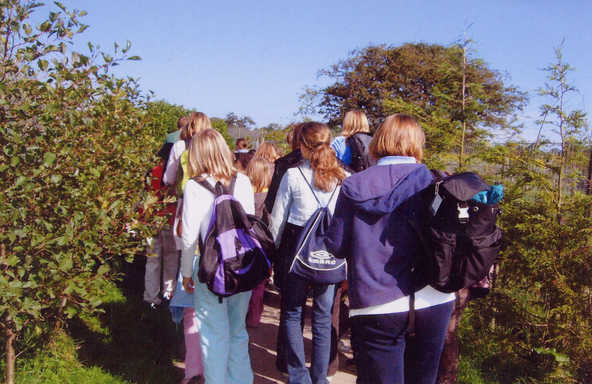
[370,229]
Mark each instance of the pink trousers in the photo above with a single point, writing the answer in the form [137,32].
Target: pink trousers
[256,305]
[193,363]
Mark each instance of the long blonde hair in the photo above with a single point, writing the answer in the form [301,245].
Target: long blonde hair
[198,121]
[315,144]
[267,151]
[354,122]
[209,154]
[260,171]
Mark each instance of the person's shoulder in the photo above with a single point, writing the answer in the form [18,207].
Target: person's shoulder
[243,182]
[192,187]
[242,178]
[338,140]
[179,146]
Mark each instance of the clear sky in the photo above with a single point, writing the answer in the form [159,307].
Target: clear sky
[256,57]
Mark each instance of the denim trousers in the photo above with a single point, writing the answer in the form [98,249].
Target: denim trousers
[223,335]
[294,295]
[383,353]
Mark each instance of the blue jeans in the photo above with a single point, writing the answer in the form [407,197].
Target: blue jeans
[384,355]
[294,299]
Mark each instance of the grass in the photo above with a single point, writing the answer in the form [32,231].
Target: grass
[59,364]
[138,347]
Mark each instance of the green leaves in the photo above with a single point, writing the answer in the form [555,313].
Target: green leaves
[42,64]
[76,142]
[49,158]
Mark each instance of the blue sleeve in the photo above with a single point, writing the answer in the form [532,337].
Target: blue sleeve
[341,149]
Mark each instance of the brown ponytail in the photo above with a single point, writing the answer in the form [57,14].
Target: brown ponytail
[315,143]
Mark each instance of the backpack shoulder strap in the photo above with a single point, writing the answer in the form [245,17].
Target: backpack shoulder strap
[204,183]
[310,186]
[232,185]
[208,186]
[314,194]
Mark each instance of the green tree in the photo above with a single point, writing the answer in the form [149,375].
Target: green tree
[221,126]
[536,326]
[570,126]
[238,126]
[75,146]
[427,81]
[162,117]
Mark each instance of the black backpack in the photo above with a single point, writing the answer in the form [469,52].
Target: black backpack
[358,144]
[238,249]
[460,237]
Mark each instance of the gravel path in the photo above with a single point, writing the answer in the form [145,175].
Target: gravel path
[262,347]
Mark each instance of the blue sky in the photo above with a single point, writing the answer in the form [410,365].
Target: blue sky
[256,57]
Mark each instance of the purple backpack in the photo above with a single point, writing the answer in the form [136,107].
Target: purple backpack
[236,253]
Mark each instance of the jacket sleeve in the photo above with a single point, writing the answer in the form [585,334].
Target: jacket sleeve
[340,230]
[278,172]
[281,209]
[339,147]
[194,212]
[170,173]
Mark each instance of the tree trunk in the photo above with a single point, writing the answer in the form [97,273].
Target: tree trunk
[448,371]
[10,355]
[461,153]
[589,185]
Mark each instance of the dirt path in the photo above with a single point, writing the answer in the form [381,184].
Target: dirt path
[262,347]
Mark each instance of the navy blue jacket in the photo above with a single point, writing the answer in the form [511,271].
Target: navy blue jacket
[370,229]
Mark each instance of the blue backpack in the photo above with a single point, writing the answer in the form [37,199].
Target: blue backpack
[312,260]
[236,253]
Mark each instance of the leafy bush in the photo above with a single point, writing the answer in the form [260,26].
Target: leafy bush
[75,146]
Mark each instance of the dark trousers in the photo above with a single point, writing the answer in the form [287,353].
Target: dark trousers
[384,355]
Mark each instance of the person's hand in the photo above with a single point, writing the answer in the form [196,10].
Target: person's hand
[188,284]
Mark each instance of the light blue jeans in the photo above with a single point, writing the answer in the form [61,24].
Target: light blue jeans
[224,338]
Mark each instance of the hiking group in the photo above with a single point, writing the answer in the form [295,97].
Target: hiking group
[357,215]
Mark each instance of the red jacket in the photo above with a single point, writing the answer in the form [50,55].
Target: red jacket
[156,185]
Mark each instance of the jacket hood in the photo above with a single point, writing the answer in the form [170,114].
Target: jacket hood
[382,188]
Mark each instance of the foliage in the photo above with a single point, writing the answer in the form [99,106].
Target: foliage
[424,80]
[277,135]
[238,125]
[59,364]
[162,117]
[537,326]
[71,166]
[570,126]
[221,126]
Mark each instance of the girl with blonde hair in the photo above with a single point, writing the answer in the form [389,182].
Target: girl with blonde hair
[355,132]
[259,171]
[224,338]
[267,151]
[318,175]
[177,174]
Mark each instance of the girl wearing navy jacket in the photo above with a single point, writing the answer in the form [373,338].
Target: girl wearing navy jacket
[371,229]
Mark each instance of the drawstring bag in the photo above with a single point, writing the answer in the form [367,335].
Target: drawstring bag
[312,261]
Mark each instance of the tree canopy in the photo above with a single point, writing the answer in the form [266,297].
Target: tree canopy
[425,80]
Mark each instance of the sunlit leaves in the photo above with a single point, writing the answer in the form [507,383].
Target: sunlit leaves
[74,149]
